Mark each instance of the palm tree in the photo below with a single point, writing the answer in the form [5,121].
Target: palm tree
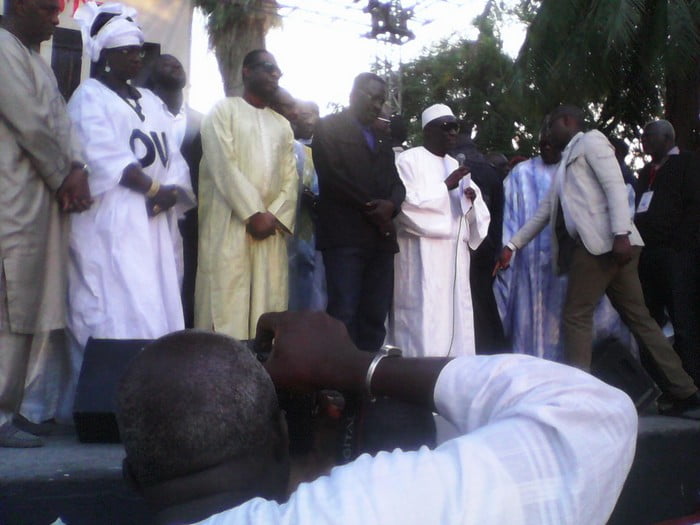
[630,60]
[236,27]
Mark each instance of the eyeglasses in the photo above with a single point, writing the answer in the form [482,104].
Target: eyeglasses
[268,67]
[133,50]
[379,99]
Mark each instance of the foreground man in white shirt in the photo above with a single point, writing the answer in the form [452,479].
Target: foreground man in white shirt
[540,442]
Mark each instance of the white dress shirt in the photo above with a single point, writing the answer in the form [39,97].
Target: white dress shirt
[541,443]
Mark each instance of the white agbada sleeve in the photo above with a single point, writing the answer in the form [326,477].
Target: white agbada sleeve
[426,210]
[477,213]
[542,443]
[101,132]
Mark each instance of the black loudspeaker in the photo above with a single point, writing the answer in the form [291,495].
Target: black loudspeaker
[613,363]
[95,403]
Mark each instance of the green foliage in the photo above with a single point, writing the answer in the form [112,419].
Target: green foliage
[475,79]
[624,59]
[226,15]
[525,11]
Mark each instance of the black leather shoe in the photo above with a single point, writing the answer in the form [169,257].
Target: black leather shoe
[36,429]
[688,408]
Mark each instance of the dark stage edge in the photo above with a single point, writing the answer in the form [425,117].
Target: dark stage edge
[82,484]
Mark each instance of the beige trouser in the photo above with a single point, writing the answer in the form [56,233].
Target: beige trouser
[33,369]
[591,276]
[14,361]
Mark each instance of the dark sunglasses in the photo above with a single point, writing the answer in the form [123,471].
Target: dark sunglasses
[268,67]
[449,126]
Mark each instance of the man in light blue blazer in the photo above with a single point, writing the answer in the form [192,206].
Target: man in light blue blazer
[596,243]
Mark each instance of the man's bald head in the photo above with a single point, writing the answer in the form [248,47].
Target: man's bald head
[658,138]
[307,118]
[499,161]
[32,21]
[564,122]
[167,71]
[167,78]
[193,400]
[285,104]
[662,127]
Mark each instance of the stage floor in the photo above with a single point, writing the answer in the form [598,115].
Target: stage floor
[82,483]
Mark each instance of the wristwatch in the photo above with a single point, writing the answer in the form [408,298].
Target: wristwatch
[384,351]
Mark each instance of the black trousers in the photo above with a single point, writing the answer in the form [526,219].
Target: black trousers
[488,329]
[360,286]
[671,285]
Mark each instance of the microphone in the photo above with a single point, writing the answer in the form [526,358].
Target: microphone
[460,158]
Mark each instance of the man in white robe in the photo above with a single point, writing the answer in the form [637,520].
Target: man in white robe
[247,201]
[442,217]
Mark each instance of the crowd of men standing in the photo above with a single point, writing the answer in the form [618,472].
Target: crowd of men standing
[322,211]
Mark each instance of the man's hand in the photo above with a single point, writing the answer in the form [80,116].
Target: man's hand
[622,249]
[74,193]
[470,193]
[503,261]
[379,211]
[261,225]
[309,199]
[311,350]
[453,178]
[161,201]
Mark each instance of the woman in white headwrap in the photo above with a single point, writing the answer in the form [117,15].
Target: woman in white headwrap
[126,253]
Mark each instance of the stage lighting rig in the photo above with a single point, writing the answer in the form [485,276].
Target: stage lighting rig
[389,22]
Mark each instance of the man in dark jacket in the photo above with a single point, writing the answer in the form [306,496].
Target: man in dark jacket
[668,218]
[488,329]
[360,194]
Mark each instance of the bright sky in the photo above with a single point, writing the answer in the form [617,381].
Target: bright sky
[320,47]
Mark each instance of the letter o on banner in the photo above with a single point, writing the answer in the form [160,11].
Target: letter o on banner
[142,146]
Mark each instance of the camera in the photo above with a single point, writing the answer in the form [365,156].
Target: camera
[359,424]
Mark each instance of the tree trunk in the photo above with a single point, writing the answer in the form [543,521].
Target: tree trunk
[235,29]
[683,107]
[232,47]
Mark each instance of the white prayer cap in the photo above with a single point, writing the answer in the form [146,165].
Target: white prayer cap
[435,111]
[119,31]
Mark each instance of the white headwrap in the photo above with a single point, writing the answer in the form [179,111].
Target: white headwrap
[117,32]
[435,111]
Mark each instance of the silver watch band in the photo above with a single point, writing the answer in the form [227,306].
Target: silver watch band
[384,351]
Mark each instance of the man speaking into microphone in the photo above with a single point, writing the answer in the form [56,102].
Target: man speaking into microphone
[442,216]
